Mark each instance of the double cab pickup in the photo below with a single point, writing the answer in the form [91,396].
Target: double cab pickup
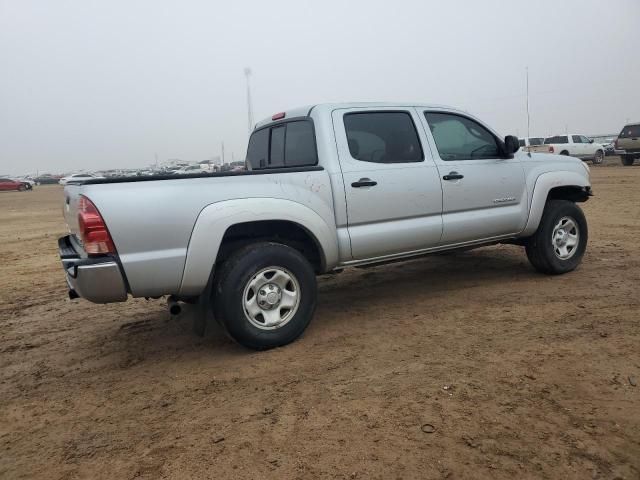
[326,187]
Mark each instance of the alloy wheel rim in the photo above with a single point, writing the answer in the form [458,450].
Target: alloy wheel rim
[565,238]
[271,298]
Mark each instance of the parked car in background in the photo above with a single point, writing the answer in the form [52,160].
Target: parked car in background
[25,179]
[527,142]
[607,143]
[9,184]
[188,169]
[328,187]
[78,177]
[628,144]
[573,145]
[47,179]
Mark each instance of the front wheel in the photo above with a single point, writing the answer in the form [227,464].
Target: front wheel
[561,239]
[599,156]
[265,295]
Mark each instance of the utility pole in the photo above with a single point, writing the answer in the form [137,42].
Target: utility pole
[247,74]
[528,117]
[223,153]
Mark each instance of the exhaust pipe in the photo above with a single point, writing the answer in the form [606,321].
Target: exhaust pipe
[174,306]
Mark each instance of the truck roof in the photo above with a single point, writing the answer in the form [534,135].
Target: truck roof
[305,111]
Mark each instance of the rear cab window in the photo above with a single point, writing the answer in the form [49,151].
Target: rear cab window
[285,144]
[630,131]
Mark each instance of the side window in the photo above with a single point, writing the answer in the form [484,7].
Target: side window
[460,138]
[576,138]
[383,137]
[585,139]
[521,142]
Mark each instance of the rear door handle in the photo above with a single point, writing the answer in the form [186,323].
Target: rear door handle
[453,176]
[364,182]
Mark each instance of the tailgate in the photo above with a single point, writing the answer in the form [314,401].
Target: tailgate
[70,207]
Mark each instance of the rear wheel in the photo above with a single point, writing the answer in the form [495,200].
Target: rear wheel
[565,153]
[265,295]
[627,160]
[599,156]
[561,239]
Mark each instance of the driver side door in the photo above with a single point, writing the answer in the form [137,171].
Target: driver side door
[483,193]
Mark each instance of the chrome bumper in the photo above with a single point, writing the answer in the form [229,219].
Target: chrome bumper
[98,279]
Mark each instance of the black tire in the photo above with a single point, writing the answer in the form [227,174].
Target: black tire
[235,275]
[598,158]
[540,248]
[627,160]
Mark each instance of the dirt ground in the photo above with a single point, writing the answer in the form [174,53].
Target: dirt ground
[517,374]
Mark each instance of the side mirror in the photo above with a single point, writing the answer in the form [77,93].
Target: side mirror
[511,144]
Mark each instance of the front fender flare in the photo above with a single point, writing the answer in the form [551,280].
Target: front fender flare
[214,220]
[544,184]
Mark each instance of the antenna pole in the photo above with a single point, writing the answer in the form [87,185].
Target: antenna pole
[247,74]
[528,116]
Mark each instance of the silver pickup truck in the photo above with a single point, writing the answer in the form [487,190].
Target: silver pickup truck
[327,187]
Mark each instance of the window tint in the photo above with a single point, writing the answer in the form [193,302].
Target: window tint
[576,138]
[276,157]
[300,145]
[630,131]
[536,141]
[290,144]
[557,139]
[258,149]
[460,138]
[382,137]
[521,142]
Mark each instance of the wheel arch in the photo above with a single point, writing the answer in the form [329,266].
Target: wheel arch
[223,226]
[562,185]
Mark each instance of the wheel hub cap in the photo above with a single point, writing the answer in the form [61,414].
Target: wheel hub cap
[565,238]
[271,298]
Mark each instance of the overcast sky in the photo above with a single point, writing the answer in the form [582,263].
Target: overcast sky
[103,84]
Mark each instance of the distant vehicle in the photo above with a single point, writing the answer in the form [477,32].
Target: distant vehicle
[607,143]
[628,144]
[78,177]
[186,170]
[25,179]
[572,145]
[527,142]
[9,184]
[47,179]
[328,187]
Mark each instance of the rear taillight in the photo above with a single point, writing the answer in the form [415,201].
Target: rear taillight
[551,150]
[93,231]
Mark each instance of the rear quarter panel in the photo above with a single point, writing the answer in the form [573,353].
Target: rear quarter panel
[151,222]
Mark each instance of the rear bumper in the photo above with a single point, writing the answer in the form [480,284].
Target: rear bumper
[98,279]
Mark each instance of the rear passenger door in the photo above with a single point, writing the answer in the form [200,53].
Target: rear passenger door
[483,191]
[392,188]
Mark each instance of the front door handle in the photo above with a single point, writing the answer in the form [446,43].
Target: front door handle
[453,176]
[364,182]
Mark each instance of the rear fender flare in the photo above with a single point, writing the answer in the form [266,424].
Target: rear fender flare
[215,219]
